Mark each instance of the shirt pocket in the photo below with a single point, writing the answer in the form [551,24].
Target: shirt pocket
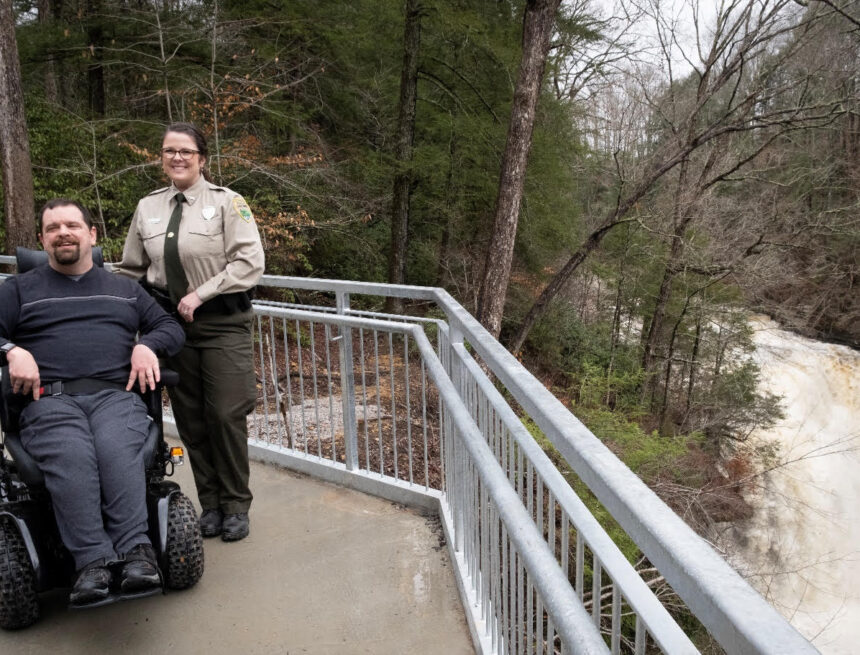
[206,237]
[152,236]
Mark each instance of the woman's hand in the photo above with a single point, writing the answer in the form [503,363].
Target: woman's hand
[187,306]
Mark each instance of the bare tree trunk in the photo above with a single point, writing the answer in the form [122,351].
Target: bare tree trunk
[96,71]
[694,357]
[164,63]
[667,380]
[14,143]
[52,93]
[405,139]
[538,22]
[216,134]
[443,271]
[615,329]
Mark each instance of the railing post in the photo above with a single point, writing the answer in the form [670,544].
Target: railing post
[347,387]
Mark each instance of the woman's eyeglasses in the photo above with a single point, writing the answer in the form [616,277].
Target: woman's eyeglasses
[185,153]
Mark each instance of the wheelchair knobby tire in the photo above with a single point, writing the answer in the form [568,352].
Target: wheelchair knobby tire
[19,601]
[184,544]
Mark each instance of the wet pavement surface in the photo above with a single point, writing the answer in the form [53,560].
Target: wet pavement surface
[325,570]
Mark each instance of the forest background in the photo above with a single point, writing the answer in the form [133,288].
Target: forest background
[681,173]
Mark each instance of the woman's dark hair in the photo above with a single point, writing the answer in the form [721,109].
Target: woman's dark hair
[197,136]
[66,202]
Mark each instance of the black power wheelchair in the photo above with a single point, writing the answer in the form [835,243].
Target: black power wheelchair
[32,556]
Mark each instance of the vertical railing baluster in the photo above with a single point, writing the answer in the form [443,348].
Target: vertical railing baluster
[550,517]
[408,405]
[327,335]
[641,637]
[505,601]
[316,390]
[347,387]
[378,403]
[301,384]
[364,401]
[274,368]
[258,421]
[521,599]
[580,566]
[264,387]
[596,588]
[615,639]
[393,401]
[530,618]
[288,415]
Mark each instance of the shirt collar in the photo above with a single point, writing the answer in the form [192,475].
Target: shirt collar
[192,193]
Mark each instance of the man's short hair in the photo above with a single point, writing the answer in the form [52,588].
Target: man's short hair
[66,202]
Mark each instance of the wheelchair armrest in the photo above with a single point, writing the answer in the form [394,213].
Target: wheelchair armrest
[169,378]
[10,404]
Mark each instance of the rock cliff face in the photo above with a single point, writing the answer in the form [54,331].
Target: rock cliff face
[800,546]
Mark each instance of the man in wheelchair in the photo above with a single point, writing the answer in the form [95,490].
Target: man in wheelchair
[68,331]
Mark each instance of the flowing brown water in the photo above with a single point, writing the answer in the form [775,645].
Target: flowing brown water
[802,546]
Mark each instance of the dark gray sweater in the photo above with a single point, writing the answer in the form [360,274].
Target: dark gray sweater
[83,328]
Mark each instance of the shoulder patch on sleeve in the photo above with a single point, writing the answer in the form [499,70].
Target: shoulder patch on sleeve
[242,209]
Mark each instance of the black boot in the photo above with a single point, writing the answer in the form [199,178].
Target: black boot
[210,522]
[140,571]
[236,527]
[92,585]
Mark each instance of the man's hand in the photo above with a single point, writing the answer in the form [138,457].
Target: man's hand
[144,368]
[187,305]
[23,372]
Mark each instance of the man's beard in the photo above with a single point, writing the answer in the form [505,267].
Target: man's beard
[67,257]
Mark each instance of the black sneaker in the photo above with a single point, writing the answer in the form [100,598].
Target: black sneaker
[140,571]
[210,522]
[236,527]
[92,585]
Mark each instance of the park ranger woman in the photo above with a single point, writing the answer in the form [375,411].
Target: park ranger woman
[198,247]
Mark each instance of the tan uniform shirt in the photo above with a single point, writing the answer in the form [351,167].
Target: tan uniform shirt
[219,245]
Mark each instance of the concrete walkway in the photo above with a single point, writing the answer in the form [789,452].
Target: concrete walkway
[325,570]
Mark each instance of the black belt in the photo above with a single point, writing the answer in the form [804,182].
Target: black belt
[81,386]
[225,303]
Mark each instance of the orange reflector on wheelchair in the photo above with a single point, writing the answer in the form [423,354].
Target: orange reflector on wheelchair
[177,455]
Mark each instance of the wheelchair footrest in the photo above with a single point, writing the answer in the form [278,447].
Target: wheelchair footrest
[116,596]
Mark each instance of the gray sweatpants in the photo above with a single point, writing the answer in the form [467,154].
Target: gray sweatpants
[90,449]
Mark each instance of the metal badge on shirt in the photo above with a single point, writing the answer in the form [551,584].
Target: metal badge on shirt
[208,213]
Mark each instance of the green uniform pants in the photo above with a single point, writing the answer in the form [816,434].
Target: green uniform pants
[216,391]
